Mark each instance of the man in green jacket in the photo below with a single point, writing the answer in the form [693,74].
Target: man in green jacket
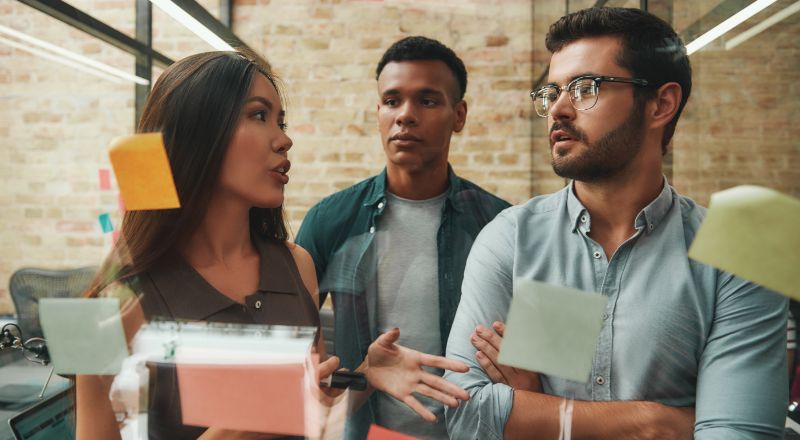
[392,248]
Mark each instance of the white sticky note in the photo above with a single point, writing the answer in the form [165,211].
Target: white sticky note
[552,330]
[753,232]
[84,335]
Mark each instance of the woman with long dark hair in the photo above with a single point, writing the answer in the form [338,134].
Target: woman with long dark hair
[224,255]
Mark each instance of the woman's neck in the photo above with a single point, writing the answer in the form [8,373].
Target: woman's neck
[223,236]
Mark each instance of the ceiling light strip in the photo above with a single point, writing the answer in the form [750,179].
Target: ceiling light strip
[72,55]
[59,59]
[192,24]
[764,25]
[733,21]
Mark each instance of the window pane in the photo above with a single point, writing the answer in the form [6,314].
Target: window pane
[55,125]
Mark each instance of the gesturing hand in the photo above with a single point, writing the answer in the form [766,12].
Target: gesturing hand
[487,342]
[397,371]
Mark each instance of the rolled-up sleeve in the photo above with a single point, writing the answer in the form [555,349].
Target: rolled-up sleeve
[485,297]
[742,386]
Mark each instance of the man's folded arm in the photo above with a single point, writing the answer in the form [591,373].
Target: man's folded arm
[485,297]
[742,384]
[495,411]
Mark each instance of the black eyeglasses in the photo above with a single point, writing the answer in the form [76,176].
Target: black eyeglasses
[583,92]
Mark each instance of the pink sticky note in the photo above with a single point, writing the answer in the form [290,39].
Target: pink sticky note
[258,398]
[115,236]
[120,203]
[105,179]
[380,433]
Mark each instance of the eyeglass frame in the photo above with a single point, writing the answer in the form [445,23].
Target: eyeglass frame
[598,79]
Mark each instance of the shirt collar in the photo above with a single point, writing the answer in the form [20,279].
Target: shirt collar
[377,192]
[648,218]
[189,296]
[275,274]
[651,216]
[578,215]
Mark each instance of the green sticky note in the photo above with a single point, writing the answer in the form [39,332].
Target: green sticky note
[552,330]
[754,233]
[84,335]
[105,222]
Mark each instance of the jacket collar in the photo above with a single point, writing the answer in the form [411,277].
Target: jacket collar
[377,191]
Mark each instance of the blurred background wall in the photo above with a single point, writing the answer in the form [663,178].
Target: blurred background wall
[740,126]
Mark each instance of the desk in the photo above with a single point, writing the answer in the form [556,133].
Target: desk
[16,370]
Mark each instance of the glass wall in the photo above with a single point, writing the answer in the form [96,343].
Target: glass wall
[55,125]
[57,118]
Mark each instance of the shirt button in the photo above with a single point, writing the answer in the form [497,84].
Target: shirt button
[257,305]
[652,226]
[372,229]
[605,316]
[380,205]
[583,219]
[596,254]
[600,380]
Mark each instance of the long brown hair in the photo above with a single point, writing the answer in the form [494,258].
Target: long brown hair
[196,105]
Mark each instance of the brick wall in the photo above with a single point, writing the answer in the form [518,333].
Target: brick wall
[740,126]
[55,123]
[326,51]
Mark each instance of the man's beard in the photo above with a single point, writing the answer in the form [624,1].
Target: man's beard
[604,158]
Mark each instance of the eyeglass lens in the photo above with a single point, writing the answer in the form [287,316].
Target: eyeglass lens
[582,94]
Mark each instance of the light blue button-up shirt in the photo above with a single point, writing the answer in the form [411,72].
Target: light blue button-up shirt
[675,331]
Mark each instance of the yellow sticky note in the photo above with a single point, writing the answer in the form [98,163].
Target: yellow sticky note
[753,232]
[143,173]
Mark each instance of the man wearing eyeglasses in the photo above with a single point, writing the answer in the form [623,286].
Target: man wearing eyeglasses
[685,350]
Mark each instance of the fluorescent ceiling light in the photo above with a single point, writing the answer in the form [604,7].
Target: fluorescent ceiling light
[66,57]
[761,27]
[192,24]
[52,57]
[733,21]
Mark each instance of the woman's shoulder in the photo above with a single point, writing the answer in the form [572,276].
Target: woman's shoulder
[299,253]
[119,289]
[303,260]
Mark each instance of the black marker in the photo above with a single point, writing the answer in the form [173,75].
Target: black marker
[345,379]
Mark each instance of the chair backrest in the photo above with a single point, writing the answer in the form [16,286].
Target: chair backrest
[28,285]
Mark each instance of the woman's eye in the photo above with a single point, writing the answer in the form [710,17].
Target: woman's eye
[261,115]
[283,126]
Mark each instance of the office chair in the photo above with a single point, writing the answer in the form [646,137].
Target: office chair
[28,285]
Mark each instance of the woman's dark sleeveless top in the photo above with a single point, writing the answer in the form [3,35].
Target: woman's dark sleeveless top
[174,290]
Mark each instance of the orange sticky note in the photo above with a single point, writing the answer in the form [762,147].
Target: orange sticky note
[380,433]
[257,398]
[143,172]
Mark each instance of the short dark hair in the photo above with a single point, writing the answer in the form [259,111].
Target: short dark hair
[422,48]
[650,49]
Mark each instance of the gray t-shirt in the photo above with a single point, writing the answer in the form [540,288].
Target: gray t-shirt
[408,298]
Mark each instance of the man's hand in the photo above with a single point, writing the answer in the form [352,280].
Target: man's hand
[397,371]
[487,342]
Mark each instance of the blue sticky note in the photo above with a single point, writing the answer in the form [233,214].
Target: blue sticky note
[105,222]
[84,335]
